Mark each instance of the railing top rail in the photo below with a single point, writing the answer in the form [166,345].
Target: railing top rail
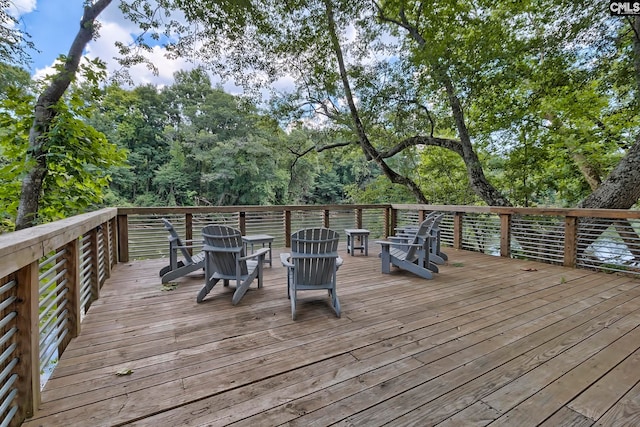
[245,208]
[570,212]
[22,247]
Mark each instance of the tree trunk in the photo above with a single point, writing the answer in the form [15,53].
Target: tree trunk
[479,183]
[44,114]
[369,150]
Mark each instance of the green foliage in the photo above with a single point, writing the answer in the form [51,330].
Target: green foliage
[78,156]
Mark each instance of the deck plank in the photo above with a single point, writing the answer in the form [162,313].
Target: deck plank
[488,341]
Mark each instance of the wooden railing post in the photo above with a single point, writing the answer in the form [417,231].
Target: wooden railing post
[95,260]
[188,229]
[358,218]
[457,230]
[570,241]
[422,215]
[74,293]
[113,243]
[325,218]
[27,340]
[242,222]
[123,238]
[393,222]
[106,250]
[287,229]
[505,235]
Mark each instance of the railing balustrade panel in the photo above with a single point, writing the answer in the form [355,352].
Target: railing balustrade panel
[53,320]
[8,349]
[306,219]
[147,236]
[446,229]
[537,238]
[408,217]
[271,223]
[45,274]
[609,245]
[341,219]
[373,220]
[481,233]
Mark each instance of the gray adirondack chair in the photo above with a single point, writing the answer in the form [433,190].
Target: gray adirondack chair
[178,268]
[436,255]
[412,254]
[312,264]
[225,260]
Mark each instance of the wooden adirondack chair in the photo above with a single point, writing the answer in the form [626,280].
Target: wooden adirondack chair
[312,264]
[178,268]
[225,260]
[436,255]
[412,254]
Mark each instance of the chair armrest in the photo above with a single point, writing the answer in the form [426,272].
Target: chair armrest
[184,246]
[260,252]
[398,238]
[285,259]
[387,243]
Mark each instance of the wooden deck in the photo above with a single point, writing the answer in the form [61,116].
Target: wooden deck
[489,341]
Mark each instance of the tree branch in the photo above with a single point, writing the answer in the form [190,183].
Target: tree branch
[449,144]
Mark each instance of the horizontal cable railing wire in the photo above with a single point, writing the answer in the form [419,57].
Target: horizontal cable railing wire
[148,237]
[271,223]
[86,272]
[8,357]
[537,238]
[102,269]
[373,220]
[53,320]
[339,220]
[306,219]
[481,233]
[446,229]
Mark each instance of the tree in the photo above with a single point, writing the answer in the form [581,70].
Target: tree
[78,156]
[225,14]
[46,108]
[14,44]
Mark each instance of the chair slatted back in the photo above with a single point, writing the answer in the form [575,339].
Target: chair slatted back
[314,252]
[229,242]
[173,236]
[422,234]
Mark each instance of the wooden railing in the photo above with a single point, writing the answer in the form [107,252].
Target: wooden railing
[50,274]
[602,239]
[141,233]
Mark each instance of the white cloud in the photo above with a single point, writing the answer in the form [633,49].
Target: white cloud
[18,8]
[105,49]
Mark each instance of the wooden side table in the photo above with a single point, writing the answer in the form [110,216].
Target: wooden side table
[362,235]
[256,239]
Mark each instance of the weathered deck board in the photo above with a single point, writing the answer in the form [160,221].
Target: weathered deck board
[488,341]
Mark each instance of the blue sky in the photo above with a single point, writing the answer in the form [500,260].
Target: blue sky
[52,26]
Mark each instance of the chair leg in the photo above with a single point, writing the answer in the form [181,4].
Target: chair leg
[241,289]
[335,302]
[292,297]
[206,289]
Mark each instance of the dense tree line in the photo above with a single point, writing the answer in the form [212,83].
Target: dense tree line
[193,144]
